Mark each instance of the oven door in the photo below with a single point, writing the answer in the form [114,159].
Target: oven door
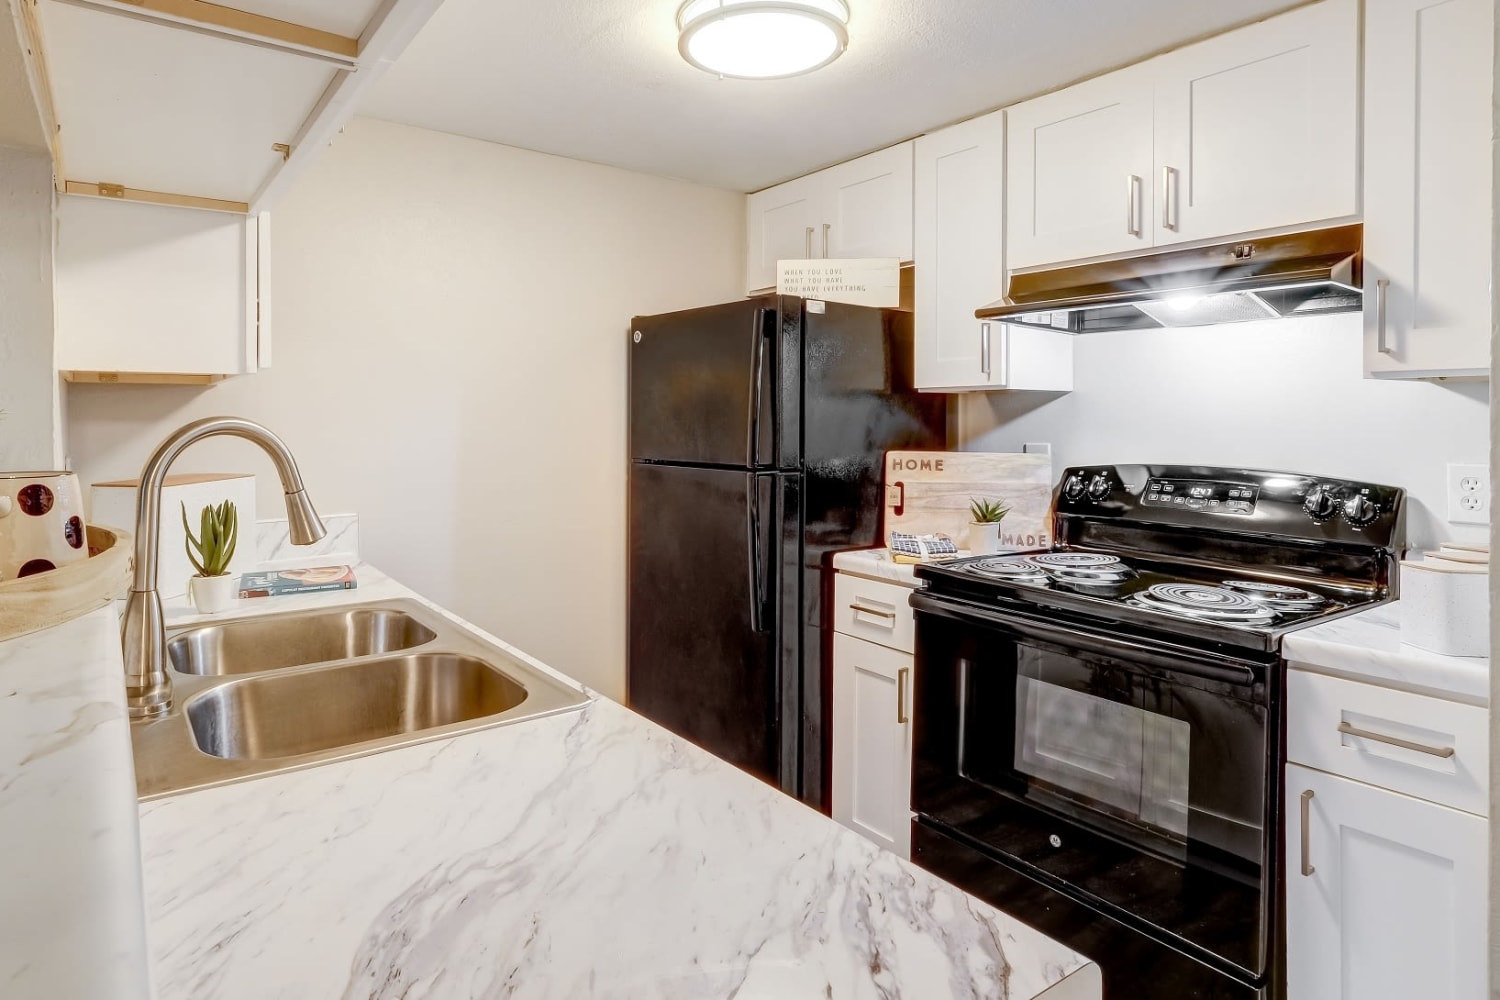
[1130,773]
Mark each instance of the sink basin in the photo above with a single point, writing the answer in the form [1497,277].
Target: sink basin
[277,641]
[265,718]
[278,692]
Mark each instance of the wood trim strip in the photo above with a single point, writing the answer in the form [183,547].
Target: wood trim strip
[36,67]
[141,378]
[154,197]
[244,23]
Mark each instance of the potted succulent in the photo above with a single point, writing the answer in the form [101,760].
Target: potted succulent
[210,552]
[984,527]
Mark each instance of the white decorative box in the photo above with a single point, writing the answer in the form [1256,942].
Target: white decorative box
[114,504]
[1445,607]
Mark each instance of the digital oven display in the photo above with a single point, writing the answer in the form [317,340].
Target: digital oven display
[1209,497]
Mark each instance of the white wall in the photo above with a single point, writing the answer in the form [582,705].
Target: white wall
[1285,396]
[29,436]
[450,332]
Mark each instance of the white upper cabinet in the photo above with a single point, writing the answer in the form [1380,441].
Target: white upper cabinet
[959,224]
[862,208]
[781,225]
[1258,128]
[1428,160]
[1079,171]
[868,212]
[1254,129]
[175,124]
[148,293]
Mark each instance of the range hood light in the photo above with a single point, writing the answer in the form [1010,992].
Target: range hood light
[1183,303]
[762,39]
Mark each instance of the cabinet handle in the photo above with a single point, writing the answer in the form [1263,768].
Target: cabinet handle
[984,348]
[807,244]
[826,226]
[1132,201]
[1307,868]
[1169,198]
[1381,286]
[862,610]
[901,679]
[1396,741]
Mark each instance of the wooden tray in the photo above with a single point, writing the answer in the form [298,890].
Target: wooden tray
[929,492]
[51,598]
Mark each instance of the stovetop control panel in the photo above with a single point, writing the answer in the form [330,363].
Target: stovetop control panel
[1277,504]
[1202,494]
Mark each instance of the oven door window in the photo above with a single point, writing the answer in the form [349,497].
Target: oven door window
[1086,751]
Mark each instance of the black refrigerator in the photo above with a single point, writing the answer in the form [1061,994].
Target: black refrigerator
[757,434]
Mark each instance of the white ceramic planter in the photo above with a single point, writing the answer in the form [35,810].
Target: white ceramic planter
[984,537]
[212,594]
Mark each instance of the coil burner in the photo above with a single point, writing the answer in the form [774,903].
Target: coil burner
[1196,600]
[1012,569]
[1277,596]
[1084,568]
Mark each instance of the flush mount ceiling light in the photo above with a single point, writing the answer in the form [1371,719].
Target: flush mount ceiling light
[762,39]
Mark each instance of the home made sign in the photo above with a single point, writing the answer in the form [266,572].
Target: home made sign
[862,281]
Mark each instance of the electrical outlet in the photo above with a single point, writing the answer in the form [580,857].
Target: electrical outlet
[1035,448]
[1469,494]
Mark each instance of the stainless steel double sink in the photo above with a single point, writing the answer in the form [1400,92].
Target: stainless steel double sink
[277,692]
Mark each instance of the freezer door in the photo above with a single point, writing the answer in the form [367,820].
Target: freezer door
[702,385]
[706,654]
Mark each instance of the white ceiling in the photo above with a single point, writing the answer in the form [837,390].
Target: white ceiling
[601,80]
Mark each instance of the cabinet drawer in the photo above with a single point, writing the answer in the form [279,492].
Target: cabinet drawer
[873,610]
[1344,727]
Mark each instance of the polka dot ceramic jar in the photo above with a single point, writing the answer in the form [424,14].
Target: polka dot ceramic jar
[41,522]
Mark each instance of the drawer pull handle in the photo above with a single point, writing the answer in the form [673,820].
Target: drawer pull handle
[1395,741]
[876,612]
[901,678]
[1307,868]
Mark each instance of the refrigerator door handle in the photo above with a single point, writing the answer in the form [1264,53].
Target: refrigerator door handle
[757,383]
[758,555]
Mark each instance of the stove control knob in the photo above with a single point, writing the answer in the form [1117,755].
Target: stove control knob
[1359,511]
[1320,503]
[1073,488]
[1099,487]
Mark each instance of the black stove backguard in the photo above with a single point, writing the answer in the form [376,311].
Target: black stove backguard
[1111,773]
[1332,533]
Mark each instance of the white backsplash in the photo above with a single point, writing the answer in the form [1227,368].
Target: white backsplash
[274,548]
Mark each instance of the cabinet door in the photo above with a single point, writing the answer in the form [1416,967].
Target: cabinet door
[155,290]
[959,215]
[1428,259]
[872,741]
[868,206]
[1392,905]
[780,225]
[1257,128]
[1078,171]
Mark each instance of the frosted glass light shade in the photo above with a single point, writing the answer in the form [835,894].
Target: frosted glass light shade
[762,39]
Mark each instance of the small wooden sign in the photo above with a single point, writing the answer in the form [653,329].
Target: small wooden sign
[863,281]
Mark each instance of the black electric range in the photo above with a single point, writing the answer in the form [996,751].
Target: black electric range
[1099,728]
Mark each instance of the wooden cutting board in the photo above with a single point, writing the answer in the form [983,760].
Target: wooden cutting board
[928,492]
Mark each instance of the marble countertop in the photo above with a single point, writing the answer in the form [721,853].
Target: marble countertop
[1368,647]
[590,854]
[71,923]
[876,564]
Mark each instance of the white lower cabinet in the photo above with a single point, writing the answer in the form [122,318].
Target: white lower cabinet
[1385,894]
[872,741]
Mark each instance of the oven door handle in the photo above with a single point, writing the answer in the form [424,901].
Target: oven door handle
[1185,660]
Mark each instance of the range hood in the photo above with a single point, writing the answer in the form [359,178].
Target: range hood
[1302,274]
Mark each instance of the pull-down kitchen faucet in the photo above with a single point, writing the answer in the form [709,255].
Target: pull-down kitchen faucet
[148,688]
